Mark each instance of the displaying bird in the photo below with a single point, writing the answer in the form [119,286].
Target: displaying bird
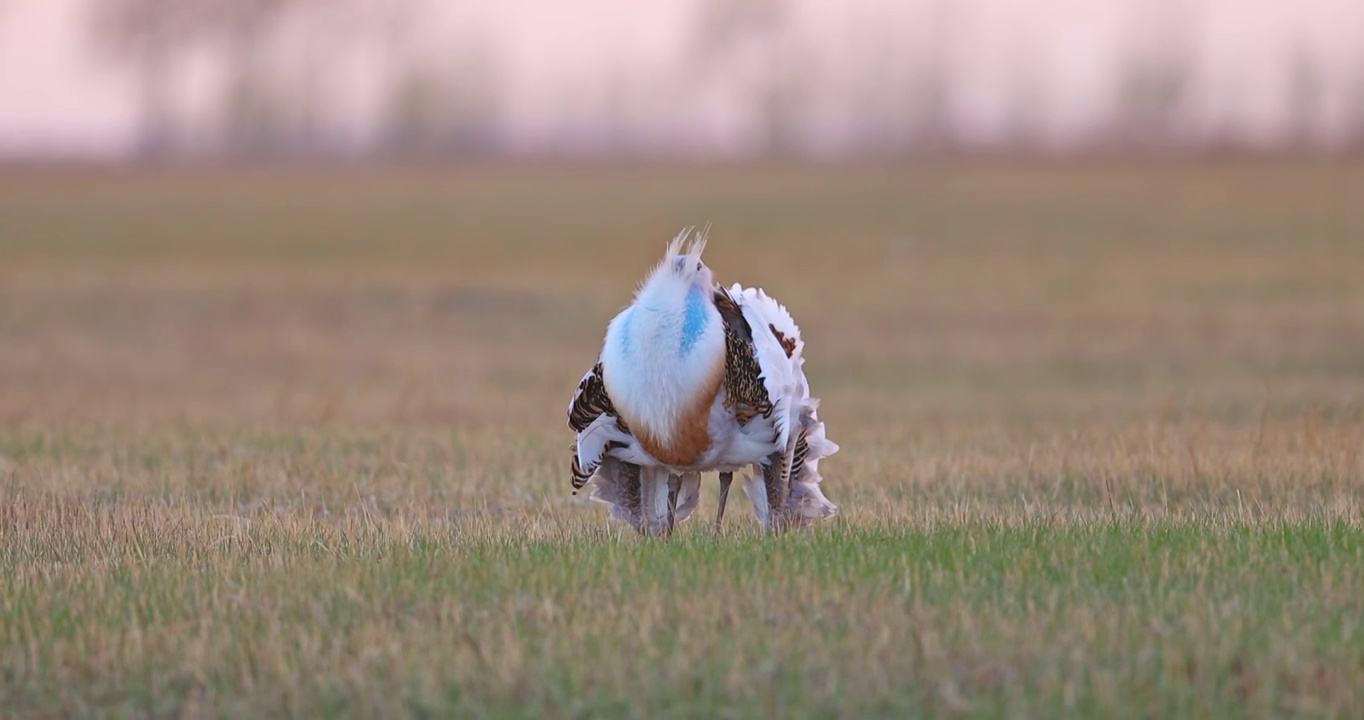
[694,377]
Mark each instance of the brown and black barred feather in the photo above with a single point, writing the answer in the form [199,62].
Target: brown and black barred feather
[787,344]
[778,484]
[744,389]
[802,449]
[775,485]
[589,403]
[582,474]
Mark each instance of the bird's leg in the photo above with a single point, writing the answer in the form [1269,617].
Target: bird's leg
[725,479]
[654,486]
[674,487]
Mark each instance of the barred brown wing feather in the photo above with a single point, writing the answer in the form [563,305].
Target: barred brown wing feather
[591,402]
[802,449]
[744,388]
[582,474]
[732,315]
[788,345]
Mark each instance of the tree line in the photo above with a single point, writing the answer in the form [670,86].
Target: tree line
[897,97]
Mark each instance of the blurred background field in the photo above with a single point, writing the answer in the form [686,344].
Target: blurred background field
[263,420]
[293,297]
[1122,292]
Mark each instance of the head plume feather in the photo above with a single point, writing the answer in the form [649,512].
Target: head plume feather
[688,244]
[683,254]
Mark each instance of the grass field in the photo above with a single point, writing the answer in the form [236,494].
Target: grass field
[292,442]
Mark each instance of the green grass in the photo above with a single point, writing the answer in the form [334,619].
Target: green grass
[1210,618]
[292,443]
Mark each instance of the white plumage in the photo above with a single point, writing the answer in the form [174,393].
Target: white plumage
[693,377]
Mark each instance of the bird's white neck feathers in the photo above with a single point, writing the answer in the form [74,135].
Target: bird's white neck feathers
[664,356]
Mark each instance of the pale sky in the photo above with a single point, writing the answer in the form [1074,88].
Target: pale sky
[58,98]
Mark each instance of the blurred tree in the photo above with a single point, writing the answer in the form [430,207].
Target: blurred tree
[260,115]
[256,107]
[893,88]
[875,87]
[443,97]
[433,111]
[1223,133]
[332,32]
[1354,121]
[613,112]
[1304,96]
[930,82]
[417,111]
[1155,81]
[149,34]
[152,34]
[1026,112]
[757,43]
[1151,93]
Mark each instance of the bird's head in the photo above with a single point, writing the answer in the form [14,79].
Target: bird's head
[680,277]
[683,259]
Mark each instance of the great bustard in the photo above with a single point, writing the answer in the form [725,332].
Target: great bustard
[694,377]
